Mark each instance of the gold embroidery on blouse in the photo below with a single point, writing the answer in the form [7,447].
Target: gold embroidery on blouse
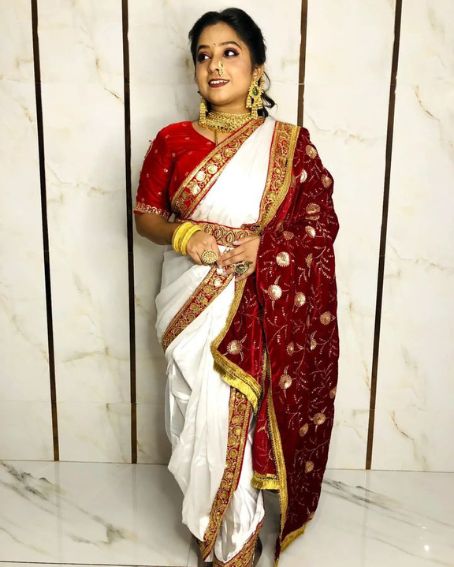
[144,208]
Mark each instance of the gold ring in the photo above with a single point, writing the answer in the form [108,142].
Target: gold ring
[242,267]
[208,257]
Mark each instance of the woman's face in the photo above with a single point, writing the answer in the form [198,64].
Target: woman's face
[220,43]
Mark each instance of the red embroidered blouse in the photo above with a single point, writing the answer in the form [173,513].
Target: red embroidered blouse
[173,154]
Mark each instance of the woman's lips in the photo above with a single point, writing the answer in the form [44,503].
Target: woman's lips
[217,83]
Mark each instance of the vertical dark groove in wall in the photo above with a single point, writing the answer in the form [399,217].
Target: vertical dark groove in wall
[304,8]
[384,226]
[42,179]
[132,313]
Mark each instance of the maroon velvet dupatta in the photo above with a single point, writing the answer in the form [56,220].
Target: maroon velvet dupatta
[280,346]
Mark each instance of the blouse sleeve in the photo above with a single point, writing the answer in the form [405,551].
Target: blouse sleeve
[152,192]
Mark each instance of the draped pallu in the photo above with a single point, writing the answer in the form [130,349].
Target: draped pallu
[254,363]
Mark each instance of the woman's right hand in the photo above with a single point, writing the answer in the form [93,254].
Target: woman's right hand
[199,242]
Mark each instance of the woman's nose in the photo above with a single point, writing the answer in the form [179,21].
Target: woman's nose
[214,65]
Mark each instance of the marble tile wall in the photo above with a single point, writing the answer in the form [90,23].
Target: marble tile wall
[82,91]
[348,66]
[414,415]
[25,409]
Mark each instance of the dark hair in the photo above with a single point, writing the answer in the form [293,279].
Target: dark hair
[246,29]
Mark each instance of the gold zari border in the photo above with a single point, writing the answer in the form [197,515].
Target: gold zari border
[265,481]
[239,416]
[209,288]
[232,373]
[279,171]
[245,557]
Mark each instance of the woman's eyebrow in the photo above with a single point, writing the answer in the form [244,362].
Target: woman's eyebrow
[223,43]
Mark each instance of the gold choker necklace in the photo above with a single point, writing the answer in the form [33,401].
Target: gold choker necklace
[224,121]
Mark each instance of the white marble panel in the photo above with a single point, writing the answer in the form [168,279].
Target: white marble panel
[91,513]
[163,91]
[348,64]
[378,516]
[82,88]
[414,417]
[25,416]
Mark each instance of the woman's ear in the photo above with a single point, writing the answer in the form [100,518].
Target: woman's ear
[259,71]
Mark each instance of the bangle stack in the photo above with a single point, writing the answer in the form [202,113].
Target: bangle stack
[181,236]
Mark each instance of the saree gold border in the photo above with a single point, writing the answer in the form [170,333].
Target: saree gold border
[245,131]
[289,538]
[280,462]
[245,556]
[265,481]
[203,295]
[273,196]
[239,417]
[231,373]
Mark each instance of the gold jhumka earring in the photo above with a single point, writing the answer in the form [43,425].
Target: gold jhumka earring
[203,112]
[254,99]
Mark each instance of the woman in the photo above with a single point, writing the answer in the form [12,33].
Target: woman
[246,313]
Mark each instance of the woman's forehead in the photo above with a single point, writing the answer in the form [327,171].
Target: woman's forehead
[218,34]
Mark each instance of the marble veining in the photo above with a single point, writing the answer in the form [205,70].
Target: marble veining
[123,514]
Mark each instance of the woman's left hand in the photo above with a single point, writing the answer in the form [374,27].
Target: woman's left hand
[245,249]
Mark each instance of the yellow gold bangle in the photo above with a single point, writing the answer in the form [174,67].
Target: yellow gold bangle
[178,235]
[186,237]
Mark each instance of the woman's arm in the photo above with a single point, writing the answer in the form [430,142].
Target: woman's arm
[155,227]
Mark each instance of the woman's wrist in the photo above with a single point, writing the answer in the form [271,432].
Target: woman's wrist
[181,236]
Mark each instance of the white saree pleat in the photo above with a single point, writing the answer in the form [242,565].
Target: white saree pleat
[197,399]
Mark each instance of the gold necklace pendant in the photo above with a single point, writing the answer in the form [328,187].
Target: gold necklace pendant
[225,121]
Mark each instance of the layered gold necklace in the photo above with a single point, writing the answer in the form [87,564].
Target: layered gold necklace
[225,121]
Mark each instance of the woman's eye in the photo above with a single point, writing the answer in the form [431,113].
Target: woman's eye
[201,57]
[230,52]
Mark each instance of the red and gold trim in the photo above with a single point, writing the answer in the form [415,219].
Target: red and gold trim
[265,481]
[245,557]
[224,235]
[239,416]
[144,208]
[231,372]
[197,184]
[279,175]
[209,288]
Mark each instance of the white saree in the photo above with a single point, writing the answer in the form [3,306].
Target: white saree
[197,399]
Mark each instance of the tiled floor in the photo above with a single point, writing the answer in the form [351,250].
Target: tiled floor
[114,514]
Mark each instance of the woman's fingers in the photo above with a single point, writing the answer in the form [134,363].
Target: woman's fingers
[198,243]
